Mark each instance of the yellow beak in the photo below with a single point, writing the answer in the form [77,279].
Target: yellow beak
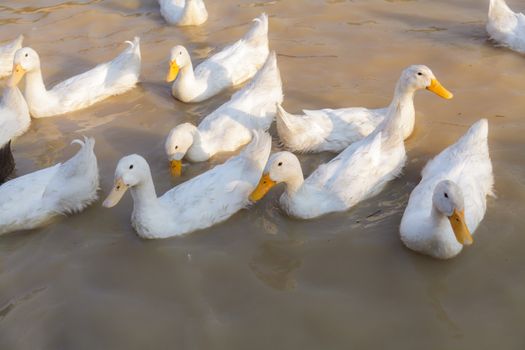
[116,194]
[16,75]
[457,221]
[173,72]
[265,184]
[436,87]
[176,168]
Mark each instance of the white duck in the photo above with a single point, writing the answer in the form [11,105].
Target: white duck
[505,26]
[201,202]
[359,172]
[14,121]
[450,201]
[183,12]
[7,53]
[232,66]
[232,124]
[334,129]
[105,80]
[31,201]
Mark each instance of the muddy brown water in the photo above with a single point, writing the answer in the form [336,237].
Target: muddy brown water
[262,280]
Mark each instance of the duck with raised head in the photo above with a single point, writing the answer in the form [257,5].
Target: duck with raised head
[447,206]
[183,12]
[232,66]
[33,200]
[201,202]
[361,171]
[7,54]
[334,129]
[231,126]
[505,26]
[107,79]
[14,121]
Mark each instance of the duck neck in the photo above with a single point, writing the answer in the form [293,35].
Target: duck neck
[438,218]
[294,183]
[144,195]
[187,76]
[198,149]
[35,88]
[404,100]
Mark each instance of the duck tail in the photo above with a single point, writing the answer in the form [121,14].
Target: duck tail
[269,76]
[14,44]
[259,31]
[134,45]
[267,81]
[478,132]
[501,17]
[17,43]
[258,150]
[286,128]
[77,180]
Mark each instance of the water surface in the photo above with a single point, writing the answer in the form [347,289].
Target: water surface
[262,280]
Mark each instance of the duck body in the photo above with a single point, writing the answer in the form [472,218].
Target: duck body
[201,202]
[107,79]
[334,129]
[465,164]
[505,26]
[183,12]
[359,172]
[7,54]
[232,66]
[32,200]
[232,124]
[14,121]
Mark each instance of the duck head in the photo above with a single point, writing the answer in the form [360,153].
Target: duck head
[179,58]
[448,200]
[281,167]
[131,171]
[26,60]
[419,77]
[178,142]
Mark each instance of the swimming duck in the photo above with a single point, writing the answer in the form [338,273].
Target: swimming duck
[105,80]
[505,26]
[231,125]
[14,121]
[334,129]
[232,66]
[32,200]
[7,53]
[183,12]
[359,172]
[447,206]
[201,202]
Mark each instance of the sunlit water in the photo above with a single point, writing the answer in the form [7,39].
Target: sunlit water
[262,280]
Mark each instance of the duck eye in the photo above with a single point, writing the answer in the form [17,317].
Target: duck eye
[27,54]
[280,163]
[118,187]
[446,195]
[131,166]
[176,147]
[419,73]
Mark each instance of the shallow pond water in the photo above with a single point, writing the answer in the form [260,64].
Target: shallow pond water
[262,280]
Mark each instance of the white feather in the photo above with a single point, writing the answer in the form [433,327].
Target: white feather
[467,164]
[32,200]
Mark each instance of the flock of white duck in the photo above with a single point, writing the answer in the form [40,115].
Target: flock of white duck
[443,211]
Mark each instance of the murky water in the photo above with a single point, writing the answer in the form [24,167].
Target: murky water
[262,280]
